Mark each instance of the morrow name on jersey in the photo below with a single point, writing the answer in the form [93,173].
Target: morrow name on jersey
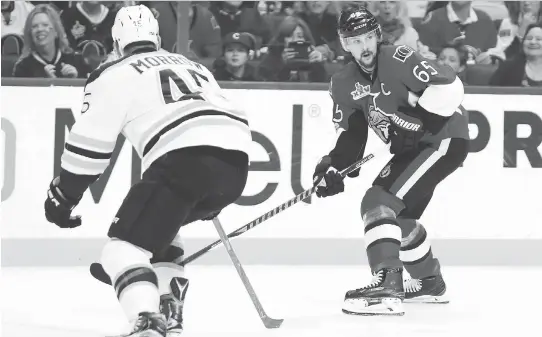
[160,102]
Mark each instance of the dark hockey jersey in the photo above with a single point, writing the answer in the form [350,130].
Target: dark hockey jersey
[80,28]
[401,79]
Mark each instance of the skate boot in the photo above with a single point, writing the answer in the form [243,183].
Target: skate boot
[171,305]
[149,324]
[384,296]
[430,289]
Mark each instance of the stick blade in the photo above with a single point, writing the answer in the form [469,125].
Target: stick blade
[272,323]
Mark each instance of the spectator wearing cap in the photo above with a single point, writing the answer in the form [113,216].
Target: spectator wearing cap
[46,50]
[459,22]
[233,65]
[241,16]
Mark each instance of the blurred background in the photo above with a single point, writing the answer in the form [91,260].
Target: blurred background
[497,43]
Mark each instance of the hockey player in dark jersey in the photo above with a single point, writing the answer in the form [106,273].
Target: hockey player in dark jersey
[414,105]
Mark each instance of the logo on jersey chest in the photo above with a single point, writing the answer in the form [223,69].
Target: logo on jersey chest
[360,91]
[380,121]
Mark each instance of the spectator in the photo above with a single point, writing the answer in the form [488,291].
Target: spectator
[323,28]
[512,29]
[46,50]
[275,13]
[335,7]
[14,15]
[241,16]
[205,35]
[459,22]
[58,5]
[89,22]
[283,64]
[524,69]
[396,26]
[495,9]
[233,65]
[417,9]
[455,56]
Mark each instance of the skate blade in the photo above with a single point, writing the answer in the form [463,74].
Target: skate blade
[429,299]
[384,307]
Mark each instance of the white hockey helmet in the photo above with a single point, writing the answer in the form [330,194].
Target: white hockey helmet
[134,24]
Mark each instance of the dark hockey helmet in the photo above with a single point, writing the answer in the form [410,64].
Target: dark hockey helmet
[357,20]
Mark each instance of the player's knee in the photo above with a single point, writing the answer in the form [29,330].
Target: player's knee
[127,265]
[408,225]
[173,254]
[167,265]
[378,204]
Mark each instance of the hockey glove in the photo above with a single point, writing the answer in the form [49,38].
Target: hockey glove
[58,207]
[327,178]
[403,141]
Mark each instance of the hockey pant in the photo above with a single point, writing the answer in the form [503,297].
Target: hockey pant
[399,196]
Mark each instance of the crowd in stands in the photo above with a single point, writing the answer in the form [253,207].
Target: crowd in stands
[486,42]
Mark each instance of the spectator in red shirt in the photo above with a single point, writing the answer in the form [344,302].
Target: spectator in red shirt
[46,50]
[459,22]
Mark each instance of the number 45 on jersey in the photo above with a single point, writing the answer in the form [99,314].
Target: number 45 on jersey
[175,88]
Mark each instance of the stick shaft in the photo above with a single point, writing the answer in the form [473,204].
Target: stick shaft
[301,196]
[268,322]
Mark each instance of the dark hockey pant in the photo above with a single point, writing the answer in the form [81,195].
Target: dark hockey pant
[401,194]
[178,188]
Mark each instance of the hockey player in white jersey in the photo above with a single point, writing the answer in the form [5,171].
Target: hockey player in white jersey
[193,143]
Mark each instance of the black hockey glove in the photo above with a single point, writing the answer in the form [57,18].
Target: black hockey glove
[327,178]
[58,207]
[403,141]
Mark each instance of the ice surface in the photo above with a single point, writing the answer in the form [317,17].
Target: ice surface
[66,302]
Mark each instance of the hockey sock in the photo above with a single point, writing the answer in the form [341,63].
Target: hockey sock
[133,277]
[416,251]
[382,241]
[168,266]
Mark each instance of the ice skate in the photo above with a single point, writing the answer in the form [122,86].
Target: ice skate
[149,324]
[384,296]
[426,290]
[171,305]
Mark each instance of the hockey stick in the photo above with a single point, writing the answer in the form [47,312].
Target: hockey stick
[96,269]
[269,322]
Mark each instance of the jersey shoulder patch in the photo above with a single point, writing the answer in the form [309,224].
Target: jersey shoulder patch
[402,53]
[342,84]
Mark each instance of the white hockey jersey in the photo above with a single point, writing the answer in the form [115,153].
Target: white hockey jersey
[160,102]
